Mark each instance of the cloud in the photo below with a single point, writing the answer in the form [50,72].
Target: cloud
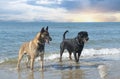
[95,5]
[106,5]
[60,10]
[48,2]
[27,12]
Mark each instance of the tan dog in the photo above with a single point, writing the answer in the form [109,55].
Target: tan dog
[34,48]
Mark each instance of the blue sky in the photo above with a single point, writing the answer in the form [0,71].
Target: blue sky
[60,10]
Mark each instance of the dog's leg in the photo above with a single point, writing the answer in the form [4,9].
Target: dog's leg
[42,61]
[70,53]
[78,56]
[61,52]
[19,60]
[32,64]
[70,56]
[75,56]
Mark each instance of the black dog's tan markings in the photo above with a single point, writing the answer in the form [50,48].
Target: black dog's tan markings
[34,48]
[74,45]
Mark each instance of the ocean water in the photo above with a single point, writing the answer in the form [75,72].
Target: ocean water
[104,38]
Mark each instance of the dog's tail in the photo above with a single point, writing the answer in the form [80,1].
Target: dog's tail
[64,34]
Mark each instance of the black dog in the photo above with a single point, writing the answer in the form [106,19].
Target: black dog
[74,45]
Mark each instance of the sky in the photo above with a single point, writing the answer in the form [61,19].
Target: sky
[60,10]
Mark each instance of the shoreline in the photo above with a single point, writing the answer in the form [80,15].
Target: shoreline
[100,67]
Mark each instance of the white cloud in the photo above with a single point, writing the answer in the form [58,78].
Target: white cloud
[26,12]
[23,10]
[48,2]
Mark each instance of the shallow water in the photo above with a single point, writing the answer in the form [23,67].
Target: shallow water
[97,67]
[104,38]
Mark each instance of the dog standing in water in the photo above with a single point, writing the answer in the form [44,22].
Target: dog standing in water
[34,48]
[74,45]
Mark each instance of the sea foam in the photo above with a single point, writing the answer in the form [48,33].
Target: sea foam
[87,53]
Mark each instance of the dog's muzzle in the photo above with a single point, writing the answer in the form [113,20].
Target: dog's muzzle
[85,40]
[48,39]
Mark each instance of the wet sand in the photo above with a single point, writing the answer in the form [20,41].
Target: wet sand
[102,67]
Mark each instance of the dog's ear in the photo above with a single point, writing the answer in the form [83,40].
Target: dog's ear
[42,30]
[47,28]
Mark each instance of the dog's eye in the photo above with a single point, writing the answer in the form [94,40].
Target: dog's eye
[46,34]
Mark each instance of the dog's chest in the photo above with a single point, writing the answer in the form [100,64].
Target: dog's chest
[78,48]
[40,48]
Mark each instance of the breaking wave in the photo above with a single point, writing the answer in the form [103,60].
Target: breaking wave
[88,53]
[85,53]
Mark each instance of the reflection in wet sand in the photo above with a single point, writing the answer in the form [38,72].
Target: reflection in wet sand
[72,74]
[30,75]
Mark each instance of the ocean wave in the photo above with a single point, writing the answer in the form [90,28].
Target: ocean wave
[3,59]
[55,56]
[87,53]
[102,51]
